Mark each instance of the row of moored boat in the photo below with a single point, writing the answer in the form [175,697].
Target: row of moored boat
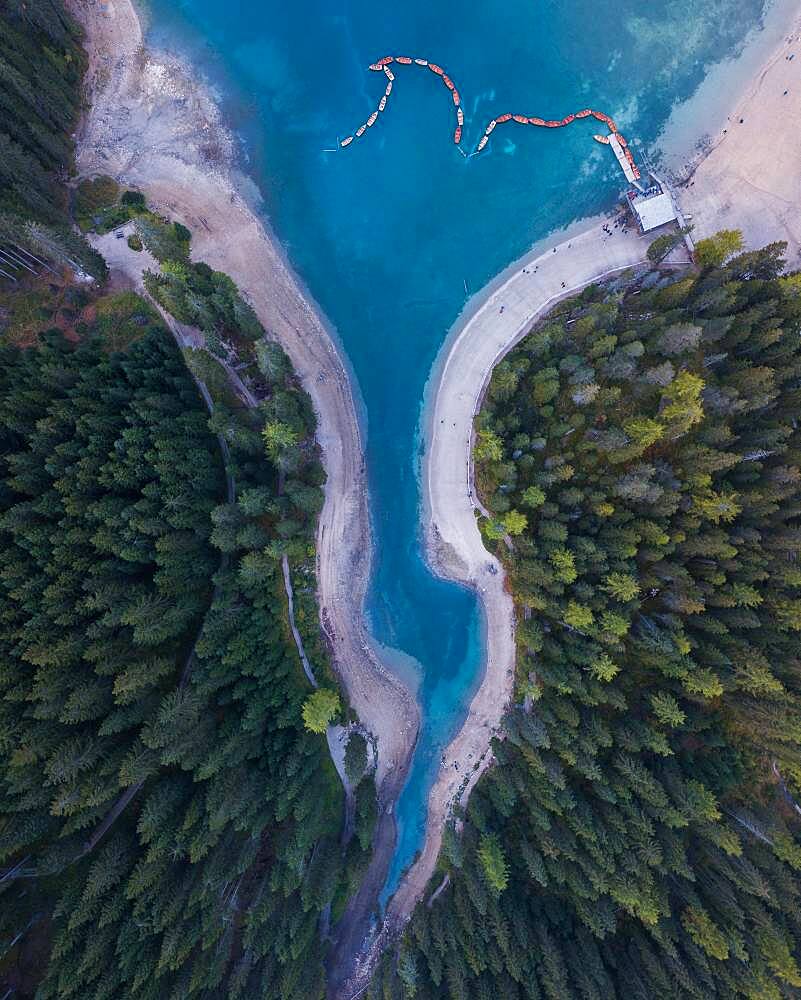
[383,66]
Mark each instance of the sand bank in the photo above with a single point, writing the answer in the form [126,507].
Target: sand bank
[154,128]
[749,175]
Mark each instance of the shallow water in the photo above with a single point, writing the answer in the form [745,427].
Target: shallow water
[393,234]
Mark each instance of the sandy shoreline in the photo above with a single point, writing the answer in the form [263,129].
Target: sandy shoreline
[749,177]
[454,546]
[152,127]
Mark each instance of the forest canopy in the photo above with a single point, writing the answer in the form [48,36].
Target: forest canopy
[165,819]
[41,67]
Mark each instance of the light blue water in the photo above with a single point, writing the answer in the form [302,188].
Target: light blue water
[388,233]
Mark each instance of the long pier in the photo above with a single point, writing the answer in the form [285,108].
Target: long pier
[626,163]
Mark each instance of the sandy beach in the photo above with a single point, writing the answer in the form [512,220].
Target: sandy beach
[152,127]
[749,178]
[497,320]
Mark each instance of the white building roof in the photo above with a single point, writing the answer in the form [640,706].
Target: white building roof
[655,211]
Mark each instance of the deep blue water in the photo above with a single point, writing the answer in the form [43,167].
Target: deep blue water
[389,233]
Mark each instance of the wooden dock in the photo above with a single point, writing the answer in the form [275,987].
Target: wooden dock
[625,166]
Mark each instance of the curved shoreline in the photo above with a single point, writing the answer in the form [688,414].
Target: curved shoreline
[152,127]
[481,336]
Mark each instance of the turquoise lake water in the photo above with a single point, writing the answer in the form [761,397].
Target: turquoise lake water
[389,233]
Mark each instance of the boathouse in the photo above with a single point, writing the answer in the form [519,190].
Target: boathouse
[652,208]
